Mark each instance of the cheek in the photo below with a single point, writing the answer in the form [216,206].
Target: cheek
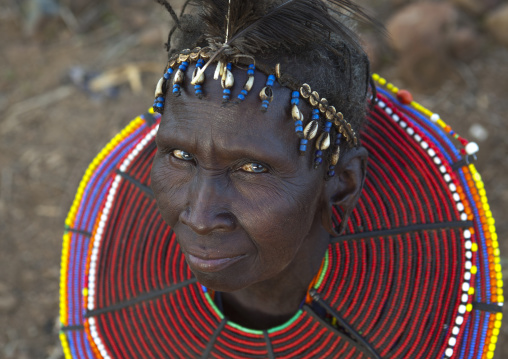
[169,187]
[278,217]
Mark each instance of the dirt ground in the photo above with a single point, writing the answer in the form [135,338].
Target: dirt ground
[50,129]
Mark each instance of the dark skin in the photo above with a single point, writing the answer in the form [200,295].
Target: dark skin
[253,218]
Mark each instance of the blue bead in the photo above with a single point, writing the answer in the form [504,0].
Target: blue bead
[328,124]
[271,77]
[304,141]
[298,123]
[315,111]
[175,90]
[252,66]
[161,99]
[166,76]
[250,72]
[170,70]
[264,105]
[269,83]
[197,87]
[241,97]
[225,97]
[319,153]
[296,94]
[160,105]
[227,91]
[331,173]
[299,129]
[315,117]
[185,63]
[318,160]
[295,101]
[198,92]
[332,167]
[266,102]
[244,92]
[229,66]
[183,68]
[204,288]
[303,148]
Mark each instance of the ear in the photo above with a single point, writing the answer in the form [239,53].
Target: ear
[345,188]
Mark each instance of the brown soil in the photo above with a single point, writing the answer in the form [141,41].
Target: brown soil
[50,130]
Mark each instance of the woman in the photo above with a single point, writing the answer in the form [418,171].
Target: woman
[257,173]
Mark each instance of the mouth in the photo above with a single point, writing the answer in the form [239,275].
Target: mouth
[210,265]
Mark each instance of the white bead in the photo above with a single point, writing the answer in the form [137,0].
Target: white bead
[442,169]
[449,352]
[452,342]
[396,117]
[460,207]
[465,287]
[434,118]
[459,320]
[468,245]
[467,276]
[455,331]
[410,131]
[452,187]
[123,168]
[437,160]
[388,110]
[424,145]
[403,124]
[431,152]
[463,217]
[469,254]
[472,148]
[381,104]
[465,298]
[456,197]
[418,137]
[467,234]
[468,265]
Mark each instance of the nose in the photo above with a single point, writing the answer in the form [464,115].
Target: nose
[207,207]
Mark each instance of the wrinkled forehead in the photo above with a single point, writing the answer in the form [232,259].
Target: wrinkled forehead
[237,122]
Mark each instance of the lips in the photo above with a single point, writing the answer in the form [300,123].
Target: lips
[210,265]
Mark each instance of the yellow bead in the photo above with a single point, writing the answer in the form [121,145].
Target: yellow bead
[497,260]
[495,332]
[493,339]
[495,244]
[469,307]
[497,267]
[474,269]
[499,283]
[494,236]
[500,299]
[496,252]
[499,276]
[395,89]
[375,77]
[490,355]
[491,220]
[492,347]
[497,324]
[471,291]
[382,81]
[85,292]
[389,86]
[474,247]
[482,192]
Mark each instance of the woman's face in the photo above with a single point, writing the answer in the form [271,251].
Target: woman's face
[229,180]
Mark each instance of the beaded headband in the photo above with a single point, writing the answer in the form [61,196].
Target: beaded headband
[325,118]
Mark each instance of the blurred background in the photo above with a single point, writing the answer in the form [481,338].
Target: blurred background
[74,72]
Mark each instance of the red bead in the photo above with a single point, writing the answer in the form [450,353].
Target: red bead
[405,97]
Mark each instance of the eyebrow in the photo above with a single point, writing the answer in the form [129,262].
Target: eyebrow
[235,149]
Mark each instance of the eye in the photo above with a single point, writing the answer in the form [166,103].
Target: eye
[254,167]
[182,155]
